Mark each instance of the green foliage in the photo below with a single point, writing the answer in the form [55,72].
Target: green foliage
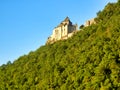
[81,27]
[90,60]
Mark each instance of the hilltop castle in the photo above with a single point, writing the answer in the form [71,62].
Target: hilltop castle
[63,31]
[66,29]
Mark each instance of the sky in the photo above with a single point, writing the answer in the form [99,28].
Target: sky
[25,25]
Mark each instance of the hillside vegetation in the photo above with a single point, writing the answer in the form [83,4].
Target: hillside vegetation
[90,60]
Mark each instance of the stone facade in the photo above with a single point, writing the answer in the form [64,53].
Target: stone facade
[63,31]
[90,22]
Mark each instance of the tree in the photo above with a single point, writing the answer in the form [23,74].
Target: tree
[81,27]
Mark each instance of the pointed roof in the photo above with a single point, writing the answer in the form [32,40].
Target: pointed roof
[67,19]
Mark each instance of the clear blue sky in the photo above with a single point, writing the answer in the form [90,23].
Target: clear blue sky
[26,24]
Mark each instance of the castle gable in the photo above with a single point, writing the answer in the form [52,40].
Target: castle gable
[66,21]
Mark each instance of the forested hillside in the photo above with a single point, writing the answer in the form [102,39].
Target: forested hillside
[90,60]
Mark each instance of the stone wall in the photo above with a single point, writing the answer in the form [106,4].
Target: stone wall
[90,22]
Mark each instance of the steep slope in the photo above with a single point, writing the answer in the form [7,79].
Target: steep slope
[90,60]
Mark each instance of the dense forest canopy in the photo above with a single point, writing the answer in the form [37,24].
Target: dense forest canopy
[90,60]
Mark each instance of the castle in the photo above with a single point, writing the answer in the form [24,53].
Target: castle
[63,31]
